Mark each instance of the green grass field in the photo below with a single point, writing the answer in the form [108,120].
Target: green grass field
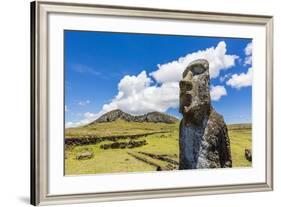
[161,148]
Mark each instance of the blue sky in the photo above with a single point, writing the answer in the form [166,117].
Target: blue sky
[139,73]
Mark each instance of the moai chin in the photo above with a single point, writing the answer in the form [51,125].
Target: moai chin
[203,137]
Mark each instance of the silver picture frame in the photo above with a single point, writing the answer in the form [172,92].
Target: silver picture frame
[39,100]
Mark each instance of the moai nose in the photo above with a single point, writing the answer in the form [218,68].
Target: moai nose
[188,76]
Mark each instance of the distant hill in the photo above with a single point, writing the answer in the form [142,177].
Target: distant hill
[239,126]
[155,117]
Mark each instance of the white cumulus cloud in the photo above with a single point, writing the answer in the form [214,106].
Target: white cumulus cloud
[137,95]
[248,49]
[226,76]
[248,60]
[88,117]
[71,124]
[241,80]
[84,103]
[217,92]
[217,57]
[248,53]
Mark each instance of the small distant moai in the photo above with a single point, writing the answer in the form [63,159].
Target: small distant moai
[203,137]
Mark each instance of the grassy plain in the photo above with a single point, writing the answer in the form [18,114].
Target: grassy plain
[163,143]
[240,139]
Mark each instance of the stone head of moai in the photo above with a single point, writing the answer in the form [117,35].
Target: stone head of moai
[195,100]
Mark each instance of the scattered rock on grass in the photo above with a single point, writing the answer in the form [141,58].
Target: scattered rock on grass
[248,154]
[84,155]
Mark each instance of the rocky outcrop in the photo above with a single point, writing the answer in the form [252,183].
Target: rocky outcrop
[155,117]
[203,137]
[248,154]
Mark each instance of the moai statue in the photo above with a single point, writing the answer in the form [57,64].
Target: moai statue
[203,137]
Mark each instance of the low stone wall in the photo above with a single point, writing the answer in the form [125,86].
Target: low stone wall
[122,145]
[161,157]
[95,140]
[152,162]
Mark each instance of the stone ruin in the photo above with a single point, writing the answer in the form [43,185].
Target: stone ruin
[123,145]
[203,136]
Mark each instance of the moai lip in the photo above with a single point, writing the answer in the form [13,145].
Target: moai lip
[187,102]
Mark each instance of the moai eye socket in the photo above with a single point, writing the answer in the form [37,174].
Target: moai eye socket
[185,85]
[197,69]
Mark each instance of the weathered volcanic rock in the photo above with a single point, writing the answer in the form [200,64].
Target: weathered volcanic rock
[248,154]
[203,137]
[84,155]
